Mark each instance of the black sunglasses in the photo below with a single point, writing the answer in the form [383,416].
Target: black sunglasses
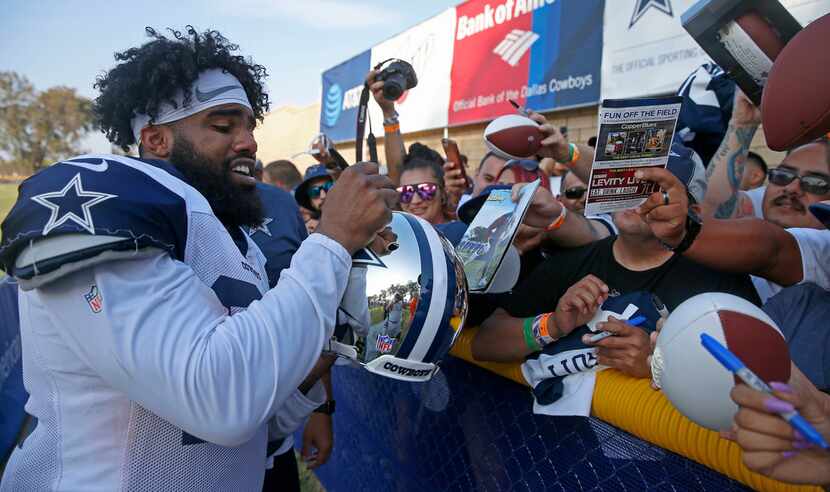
[575,193]
[811,183]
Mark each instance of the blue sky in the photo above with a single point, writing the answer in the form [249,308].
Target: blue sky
[70,42]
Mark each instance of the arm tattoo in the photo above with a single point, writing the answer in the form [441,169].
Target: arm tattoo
[737,159]
[727,208]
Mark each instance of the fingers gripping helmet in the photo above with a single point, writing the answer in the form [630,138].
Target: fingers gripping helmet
[405,303]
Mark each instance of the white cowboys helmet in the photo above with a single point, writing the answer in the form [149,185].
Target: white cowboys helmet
[405,303]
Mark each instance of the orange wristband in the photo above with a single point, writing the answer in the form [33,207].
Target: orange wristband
[556,224]
[395,127]
[574,153]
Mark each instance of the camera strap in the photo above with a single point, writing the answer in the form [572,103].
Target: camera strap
[362,116]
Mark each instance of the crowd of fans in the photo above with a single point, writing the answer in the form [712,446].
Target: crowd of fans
[779,260]
[759,241]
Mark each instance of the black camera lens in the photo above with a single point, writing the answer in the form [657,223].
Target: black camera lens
[398,77]
[393,87]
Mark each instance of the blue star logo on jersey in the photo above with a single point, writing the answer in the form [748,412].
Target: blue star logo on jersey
[263,228]
[72,203]
[642,6]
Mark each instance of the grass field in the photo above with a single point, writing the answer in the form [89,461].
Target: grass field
[8,194]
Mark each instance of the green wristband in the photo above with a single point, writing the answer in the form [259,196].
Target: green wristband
[530,340]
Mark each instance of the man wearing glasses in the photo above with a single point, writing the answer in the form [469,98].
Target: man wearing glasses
[802,178]
[572,193]
[311,193]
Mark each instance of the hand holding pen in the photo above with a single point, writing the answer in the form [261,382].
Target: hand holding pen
[519,109]
[785,410]
[625,346]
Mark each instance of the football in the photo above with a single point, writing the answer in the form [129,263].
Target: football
[795,107]
[692,379]
[513,136]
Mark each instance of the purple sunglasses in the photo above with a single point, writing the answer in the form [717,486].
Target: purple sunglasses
[425,190]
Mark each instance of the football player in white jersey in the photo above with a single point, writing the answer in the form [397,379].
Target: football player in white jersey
[153,352]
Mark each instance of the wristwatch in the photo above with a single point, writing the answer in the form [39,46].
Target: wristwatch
[326,408]
[693,226]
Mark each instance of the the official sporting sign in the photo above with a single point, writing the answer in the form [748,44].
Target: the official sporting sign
[647,52]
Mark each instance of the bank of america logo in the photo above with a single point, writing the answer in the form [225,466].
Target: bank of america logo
[515,45]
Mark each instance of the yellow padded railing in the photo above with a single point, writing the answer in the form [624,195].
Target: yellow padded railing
[630,404]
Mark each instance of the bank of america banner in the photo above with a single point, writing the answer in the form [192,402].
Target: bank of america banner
[471,59]
[544,53]
[341,97]
[647,52]
[429,48]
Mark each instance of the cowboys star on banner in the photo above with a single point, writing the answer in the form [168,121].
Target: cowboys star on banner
[647,52]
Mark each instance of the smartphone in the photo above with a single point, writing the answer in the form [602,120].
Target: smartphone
[453,155]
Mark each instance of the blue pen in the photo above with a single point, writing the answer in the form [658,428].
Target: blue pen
[734,365]
[635,321]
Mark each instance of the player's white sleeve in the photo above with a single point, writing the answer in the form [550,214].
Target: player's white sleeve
[164,339]
[295,411]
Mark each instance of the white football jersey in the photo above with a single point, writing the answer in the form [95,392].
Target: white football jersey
[154,358]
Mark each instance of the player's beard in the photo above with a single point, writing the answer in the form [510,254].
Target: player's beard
[233,205]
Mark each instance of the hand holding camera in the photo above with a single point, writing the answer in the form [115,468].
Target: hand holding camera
[389,84]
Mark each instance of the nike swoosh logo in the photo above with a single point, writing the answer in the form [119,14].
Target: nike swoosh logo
[207,96]
[98,168]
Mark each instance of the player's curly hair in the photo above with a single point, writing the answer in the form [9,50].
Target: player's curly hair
[152,74]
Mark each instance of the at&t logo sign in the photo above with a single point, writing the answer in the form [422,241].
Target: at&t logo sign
[333,104]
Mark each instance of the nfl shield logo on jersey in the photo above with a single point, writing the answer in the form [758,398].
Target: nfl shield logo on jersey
[385,344]
[93,298]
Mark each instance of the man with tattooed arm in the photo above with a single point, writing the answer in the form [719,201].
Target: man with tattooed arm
[803,178]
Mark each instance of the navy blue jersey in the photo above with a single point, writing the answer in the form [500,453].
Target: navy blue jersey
[281,232]
[453,231]
[707,106]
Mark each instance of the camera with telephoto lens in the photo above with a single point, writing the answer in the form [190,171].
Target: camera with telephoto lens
[398,76]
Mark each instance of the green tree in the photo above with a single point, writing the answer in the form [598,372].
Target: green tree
[38,128]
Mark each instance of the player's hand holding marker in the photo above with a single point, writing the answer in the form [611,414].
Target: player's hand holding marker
[358,206]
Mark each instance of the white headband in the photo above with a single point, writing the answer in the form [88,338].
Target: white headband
[212,88]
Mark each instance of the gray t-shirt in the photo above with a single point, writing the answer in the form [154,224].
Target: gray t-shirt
[801,312]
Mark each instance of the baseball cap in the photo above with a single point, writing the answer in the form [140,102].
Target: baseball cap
[312,173]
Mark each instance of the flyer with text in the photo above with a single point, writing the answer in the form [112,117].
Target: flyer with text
[633,134]
[491,232]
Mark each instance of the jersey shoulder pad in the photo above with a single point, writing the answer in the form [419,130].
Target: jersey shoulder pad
[100,203]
